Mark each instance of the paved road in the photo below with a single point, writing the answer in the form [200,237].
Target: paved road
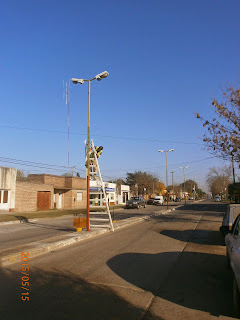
[169,267]
[12,235]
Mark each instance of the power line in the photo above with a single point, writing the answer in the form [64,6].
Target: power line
[36,164]
[102,136]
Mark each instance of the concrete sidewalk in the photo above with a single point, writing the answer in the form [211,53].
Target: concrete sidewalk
[13,255]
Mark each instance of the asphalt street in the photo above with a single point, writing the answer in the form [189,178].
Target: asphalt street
[12,235]
[171,266]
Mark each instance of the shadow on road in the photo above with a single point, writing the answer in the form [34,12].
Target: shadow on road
[55,295]
[205,237]
[204,207]
[198,281]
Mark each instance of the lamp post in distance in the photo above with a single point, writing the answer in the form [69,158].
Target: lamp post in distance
[184,180]
[98,77]
[166,151]
[172,172]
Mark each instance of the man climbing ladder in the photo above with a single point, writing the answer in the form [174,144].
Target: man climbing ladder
[92,161]
[95,172]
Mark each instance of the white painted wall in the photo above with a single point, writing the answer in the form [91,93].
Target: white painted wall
[8,182]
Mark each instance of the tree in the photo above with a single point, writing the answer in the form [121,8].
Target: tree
[119,181]
[218,180]
[67,174]
[222,137]
[160,188]
[20,174]
[141,182]
[189,185]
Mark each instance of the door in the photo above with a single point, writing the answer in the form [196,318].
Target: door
[43,200]
[59,200]
[4,199]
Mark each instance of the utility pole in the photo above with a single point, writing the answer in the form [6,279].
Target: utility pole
[166,151]
[184,181]
[172,172]
[98,77]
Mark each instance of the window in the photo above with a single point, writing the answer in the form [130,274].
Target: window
[5,196]
[79,196]
[236,227]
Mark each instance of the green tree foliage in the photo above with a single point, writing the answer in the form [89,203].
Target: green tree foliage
[222,137]
[146,183]
[189,185]
[119,182]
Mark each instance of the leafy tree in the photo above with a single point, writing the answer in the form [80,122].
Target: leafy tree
[222,137]
[189,185]
[146,183]
[160,188]
[119,182]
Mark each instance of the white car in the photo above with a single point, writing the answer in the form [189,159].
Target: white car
[158,200]
[232,241]
[217,199]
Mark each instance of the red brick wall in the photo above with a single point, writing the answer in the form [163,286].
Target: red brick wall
[59,182]
[26,196]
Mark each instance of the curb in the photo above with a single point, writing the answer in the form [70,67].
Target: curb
[44,247]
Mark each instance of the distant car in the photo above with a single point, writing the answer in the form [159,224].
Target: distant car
[217,199]
[231,214]
[136,202]
[191,198]
[158,200]
[178,200]
[232,241]
[150,200]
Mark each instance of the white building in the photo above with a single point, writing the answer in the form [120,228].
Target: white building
[7,188]
[96,194]
[124,194]
[113,194]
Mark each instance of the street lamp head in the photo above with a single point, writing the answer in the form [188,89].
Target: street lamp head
[75,81]
[160,151]
[102,75]
[170,150]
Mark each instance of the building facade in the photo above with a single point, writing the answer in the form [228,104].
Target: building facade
[7,188]
[116,195]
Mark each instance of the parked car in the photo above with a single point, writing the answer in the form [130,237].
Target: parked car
[217,199]
[150,200]
[232,241]
[178,199]
[191,198]
[232,212]
[136,202]
[158,200]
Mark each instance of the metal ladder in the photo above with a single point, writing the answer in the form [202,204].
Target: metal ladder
[95,217]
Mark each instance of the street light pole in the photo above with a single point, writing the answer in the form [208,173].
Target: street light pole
[172,172]
[99,77]
[184,180]
[166,151]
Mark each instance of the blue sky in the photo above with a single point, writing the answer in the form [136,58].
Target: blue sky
[166,59]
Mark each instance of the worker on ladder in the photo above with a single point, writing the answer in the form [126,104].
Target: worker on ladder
[92,160]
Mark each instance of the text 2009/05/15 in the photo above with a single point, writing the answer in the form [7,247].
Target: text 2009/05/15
[25,277]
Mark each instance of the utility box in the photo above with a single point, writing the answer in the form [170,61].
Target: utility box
[79,223]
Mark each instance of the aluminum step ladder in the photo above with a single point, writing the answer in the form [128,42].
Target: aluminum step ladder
[98,219]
